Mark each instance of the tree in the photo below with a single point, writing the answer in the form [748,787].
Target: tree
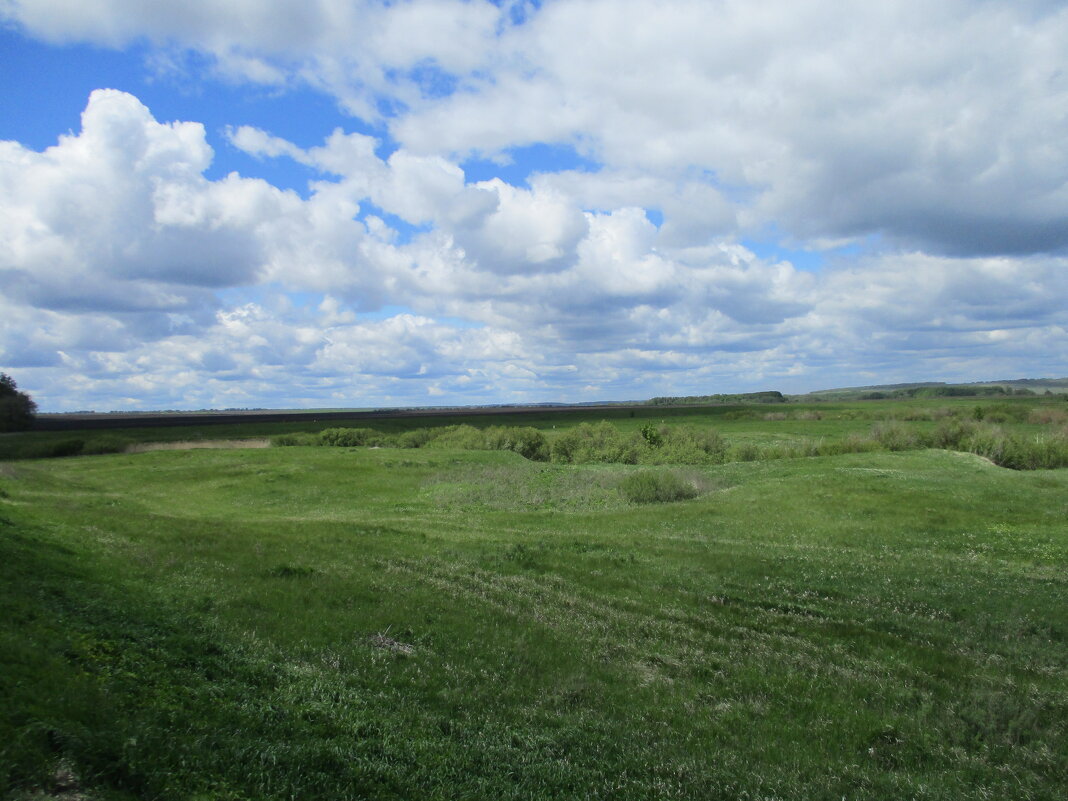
[17,409]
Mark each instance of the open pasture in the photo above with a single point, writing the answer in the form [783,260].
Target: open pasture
[332,622]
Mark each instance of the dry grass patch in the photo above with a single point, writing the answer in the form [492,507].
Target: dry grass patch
[189,445]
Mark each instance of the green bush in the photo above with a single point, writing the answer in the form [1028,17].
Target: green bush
[685,445]
[1048,415]
[293,439]
[894,436]
[105,444]
[652,435]
[416,438]
[1042,452]
[602,442]
[651,486]
[527,441]
[63,447]
[987,440]
[951,434]
[350,437]
[743,452]
[461,437]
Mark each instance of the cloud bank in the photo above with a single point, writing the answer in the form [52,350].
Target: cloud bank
[915,153]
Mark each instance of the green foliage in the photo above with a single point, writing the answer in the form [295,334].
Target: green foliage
[693,445]
[652,436]
[416,438]
[295,438]
[656,486]
[528,442]
[895,436]
[105,444]
[597,443]
[350,437]
[17,409]
[59,448]
[460,437]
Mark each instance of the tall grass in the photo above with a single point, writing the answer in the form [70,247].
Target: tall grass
[605,443]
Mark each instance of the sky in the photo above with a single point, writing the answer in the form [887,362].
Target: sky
[354,203]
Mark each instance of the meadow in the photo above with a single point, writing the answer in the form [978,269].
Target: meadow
[817,601]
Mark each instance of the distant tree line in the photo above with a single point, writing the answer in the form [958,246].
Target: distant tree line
[17,409]
[948,391]
[772,396]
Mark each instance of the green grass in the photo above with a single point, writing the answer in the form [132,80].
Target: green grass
[313,622]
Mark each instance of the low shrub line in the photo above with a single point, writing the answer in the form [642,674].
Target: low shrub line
[693,445]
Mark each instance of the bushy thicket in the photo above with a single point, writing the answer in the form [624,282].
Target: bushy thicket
[601,442]
[593,443]
[656,486]
[526,441]
[352,437]
[1043,451]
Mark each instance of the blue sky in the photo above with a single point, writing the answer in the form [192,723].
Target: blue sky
[327,203]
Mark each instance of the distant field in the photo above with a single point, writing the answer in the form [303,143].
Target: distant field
[834,418]
[440,623]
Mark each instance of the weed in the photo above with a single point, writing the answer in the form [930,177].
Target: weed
[650,486]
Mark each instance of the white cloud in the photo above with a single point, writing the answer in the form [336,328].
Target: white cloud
[937,130]
[359,50]
[119,217]
[933,129]
[127,274]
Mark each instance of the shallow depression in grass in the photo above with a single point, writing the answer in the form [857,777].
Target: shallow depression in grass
[431,623]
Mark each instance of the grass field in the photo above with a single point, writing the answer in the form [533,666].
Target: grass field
[311,622]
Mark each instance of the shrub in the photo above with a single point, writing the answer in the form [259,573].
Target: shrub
[652,435]
[650,486]
[417,438]
[743,452]
[105,444]
[686,445]
[295,438]
[603,442]
[1001,413]
[988,441]
[527,441]
[894,436]
[461,437]
[63,447]
[1048,415]
[1043,452]
[350,437]
[951,434]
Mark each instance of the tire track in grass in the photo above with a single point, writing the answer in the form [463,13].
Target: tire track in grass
[657,643]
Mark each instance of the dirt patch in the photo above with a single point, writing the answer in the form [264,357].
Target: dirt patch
[188,445]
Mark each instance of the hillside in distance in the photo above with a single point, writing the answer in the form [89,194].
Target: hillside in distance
[930,389]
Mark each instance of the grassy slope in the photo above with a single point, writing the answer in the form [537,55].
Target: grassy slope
[869,626]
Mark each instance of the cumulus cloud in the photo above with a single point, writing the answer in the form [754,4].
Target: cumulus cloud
[119,217]
[935,130]
[129,277]
[364,52]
